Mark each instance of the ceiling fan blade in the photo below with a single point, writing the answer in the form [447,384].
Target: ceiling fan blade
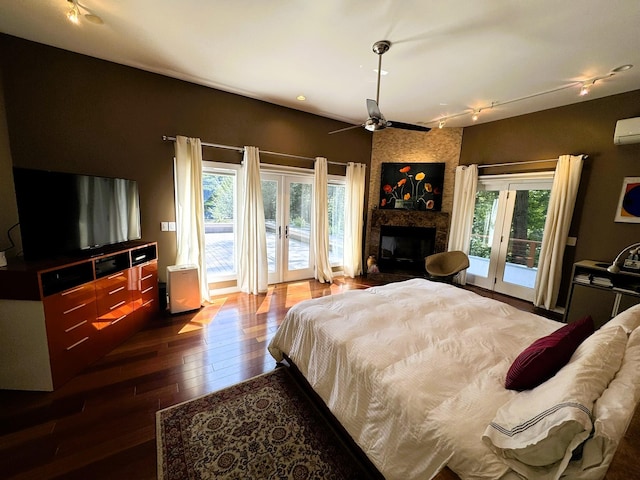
[407,126]
[347,128]
[373,109]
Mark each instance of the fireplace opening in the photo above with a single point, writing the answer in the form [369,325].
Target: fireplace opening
[402,249]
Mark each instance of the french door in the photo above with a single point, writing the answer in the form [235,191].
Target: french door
[288,202]
[508,224]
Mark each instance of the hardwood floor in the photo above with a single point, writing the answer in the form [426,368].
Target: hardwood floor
[101,425]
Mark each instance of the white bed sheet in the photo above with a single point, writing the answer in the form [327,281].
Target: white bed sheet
[413,370]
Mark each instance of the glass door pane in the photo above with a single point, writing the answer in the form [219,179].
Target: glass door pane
[336,224]
[482,237]
[298,230]
[272,224]
[524,240]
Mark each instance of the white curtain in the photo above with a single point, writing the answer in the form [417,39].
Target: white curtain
[566,181]
[252,264]
[464,201]
[321,221]
[353,219]
[190,209]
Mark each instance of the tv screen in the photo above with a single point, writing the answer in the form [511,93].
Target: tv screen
[64,213]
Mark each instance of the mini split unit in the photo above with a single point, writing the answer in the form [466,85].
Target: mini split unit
[627,131]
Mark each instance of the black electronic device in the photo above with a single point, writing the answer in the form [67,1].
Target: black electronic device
[64,213]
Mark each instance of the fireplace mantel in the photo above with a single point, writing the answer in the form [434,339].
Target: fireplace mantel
[408,218]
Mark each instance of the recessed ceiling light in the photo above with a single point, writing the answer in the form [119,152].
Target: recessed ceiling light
[302,98]
[622,68]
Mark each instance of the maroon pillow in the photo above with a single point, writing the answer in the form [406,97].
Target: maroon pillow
[543,358]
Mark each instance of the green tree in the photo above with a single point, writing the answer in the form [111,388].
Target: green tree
[218,197]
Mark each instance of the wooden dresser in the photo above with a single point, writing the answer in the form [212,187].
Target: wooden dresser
[58,317]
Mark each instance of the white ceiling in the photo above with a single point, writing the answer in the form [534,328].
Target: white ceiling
[447,57]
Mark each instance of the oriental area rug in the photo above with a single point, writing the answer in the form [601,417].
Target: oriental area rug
[264,428]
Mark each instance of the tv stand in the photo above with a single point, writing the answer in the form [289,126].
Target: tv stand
[59,316]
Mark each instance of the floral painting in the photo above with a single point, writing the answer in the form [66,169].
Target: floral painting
[412,186]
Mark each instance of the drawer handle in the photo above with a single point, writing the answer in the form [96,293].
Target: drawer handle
[116,290]
[148,302]
[117,320]
[147,276]
[75,326]
[77,343]
[115,275]
[119,304]
[75,308]
[69,292]
[147,290]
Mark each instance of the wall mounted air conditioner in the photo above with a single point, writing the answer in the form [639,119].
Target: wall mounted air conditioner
[627,131]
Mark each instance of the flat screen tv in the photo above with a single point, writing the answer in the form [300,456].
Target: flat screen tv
[65,213]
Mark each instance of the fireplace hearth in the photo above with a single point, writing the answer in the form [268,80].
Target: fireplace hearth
[402,249]
[416,234]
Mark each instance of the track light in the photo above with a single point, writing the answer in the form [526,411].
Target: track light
[73,14]
[585,88]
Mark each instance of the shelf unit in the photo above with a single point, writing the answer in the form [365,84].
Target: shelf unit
[597,292]
[58,317]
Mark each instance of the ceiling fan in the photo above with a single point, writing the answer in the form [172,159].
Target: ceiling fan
[376,120]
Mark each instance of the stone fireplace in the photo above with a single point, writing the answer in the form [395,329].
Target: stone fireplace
[425,232]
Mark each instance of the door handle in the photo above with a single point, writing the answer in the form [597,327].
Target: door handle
[279,232]
[286,231]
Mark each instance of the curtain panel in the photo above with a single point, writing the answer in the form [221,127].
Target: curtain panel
[252,262]
[190,238]
[322,269]
[566,181]
[353,219]
[464,200]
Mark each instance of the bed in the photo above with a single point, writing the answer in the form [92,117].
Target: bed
[415,372]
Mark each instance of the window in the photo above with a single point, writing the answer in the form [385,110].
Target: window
[220,192]
[336,207]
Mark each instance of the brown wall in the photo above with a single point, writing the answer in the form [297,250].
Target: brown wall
[585,127]
[74,113]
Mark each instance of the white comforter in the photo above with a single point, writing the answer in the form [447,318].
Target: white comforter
[415,372]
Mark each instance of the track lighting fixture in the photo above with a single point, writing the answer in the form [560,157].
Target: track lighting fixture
[584,90]
[73,14]
[585,87]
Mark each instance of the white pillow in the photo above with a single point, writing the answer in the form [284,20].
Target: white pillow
[613,412]
[537,430]
[628,319]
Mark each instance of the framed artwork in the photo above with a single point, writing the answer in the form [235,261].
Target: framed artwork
[629,204]
[411,186]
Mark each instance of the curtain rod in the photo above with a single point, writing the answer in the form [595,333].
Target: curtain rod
[508,164]
[241,150]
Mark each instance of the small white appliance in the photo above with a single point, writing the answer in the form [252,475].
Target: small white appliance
[183,288]
[627,131]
